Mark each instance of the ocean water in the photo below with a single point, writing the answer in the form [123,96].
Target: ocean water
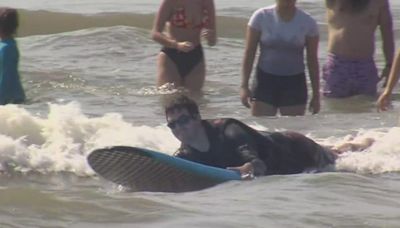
[88,68]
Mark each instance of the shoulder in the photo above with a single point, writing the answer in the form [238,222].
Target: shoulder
[305,16]
[261,17]
[170,2]
[208,2]
[217,124]
[224,125]
[305,20]
[233,127]
[380,2]
[374,5]
[268,10]
[223,121]
[3,46]
[8,48]
[167,5]
[384,5]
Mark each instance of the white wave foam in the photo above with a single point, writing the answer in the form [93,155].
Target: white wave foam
[382,157]
[62,140]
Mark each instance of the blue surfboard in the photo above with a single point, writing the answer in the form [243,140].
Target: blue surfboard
[145,170]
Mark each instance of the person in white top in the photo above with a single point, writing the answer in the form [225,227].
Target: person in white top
[282,32]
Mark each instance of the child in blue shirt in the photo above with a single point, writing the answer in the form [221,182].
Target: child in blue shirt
[11,90]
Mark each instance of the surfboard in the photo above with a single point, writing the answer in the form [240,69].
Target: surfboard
[142,169]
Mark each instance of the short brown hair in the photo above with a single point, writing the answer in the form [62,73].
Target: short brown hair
[179,102]
[8,21]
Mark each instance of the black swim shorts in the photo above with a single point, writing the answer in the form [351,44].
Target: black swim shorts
[279,90]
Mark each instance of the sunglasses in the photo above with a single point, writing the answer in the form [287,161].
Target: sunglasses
[182,120]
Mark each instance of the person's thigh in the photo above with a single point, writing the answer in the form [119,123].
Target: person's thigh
[294,110]
[259,108]
[337,73]
[367,78]
[264,94]
[194,81]
[167,71]
[293,95]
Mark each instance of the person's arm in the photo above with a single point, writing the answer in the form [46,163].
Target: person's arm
[159,25]
[252,40]
[9,74]
[210,32]
[253,165]
[384,99]
[386,29]
[3,76]
[245,145]
[313,69]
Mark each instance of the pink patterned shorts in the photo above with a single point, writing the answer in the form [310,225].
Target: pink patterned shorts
[347,77]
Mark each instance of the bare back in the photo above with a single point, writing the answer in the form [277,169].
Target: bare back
[352,29]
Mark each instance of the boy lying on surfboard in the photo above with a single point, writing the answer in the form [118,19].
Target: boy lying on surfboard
[229,143]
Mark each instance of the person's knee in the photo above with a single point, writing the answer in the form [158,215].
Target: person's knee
[262,109]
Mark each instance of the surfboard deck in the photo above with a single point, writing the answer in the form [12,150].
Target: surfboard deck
[141,169]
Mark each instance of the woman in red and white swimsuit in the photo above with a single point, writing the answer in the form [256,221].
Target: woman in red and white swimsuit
[181,60]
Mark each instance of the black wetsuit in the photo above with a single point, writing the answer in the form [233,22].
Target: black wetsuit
[232,143]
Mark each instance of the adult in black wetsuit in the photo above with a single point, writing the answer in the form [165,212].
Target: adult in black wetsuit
[229,143]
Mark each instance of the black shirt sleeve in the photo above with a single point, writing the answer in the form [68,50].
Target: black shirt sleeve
[243,141]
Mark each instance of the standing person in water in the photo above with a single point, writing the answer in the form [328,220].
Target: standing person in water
[350,68]
[181,60]
[282,32]
[11,90]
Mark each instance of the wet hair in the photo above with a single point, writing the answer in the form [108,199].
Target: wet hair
[8,21]
[180,102]
[354,6]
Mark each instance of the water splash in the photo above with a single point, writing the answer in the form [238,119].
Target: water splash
[61,141]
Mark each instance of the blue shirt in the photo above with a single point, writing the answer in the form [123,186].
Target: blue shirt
[11,90]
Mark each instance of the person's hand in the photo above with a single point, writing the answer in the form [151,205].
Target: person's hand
[383,103]
[184,46]
[209,35]
[245,96]
[315,105]
[246,171]
[385,75]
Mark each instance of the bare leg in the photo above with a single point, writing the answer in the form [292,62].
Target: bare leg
[295,110]
[194,81]
[167,72]
[259,108]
